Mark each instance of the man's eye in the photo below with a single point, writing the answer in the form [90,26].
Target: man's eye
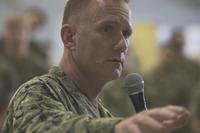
[126,33]
[108,29]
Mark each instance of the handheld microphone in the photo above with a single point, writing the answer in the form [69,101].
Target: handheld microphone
[134,86]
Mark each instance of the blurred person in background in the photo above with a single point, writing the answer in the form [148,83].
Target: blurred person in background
[17,64]
[21,58]
[37,19]
[17,50]
[175,77]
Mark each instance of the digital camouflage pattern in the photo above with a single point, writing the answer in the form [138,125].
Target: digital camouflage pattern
[52,103]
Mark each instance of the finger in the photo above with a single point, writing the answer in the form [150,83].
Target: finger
[181,119]
[175,124]
[161,114]
[178,109]
[181,113]
[149,124]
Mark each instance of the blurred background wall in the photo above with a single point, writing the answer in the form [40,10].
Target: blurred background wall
[173,12]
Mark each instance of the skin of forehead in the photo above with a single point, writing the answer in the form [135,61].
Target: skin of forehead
[100,8]
[109,2]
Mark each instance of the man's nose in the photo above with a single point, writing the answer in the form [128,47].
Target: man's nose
[122,45]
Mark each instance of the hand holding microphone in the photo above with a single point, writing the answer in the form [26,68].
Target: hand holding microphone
[158,120]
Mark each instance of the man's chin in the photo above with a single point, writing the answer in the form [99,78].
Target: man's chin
[116,74]
[111,74]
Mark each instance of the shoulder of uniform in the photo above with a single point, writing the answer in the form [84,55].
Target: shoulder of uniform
[33,83]
[103,108]
[35,86]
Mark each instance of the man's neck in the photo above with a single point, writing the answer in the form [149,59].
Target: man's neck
[90,86]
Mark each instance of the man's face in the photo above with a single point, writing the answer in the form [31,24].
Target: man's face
[102,40]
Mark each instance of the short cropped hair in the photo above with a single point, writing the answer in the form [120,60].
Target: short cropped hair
[38,13]
[13,22]
[74,7]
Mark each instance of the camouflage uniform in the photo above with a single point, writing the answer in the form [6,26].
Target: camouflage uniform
[172,86]
[52,103]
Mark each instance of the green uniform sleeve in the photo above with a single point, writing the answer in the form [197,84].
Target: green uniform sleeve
[35,110]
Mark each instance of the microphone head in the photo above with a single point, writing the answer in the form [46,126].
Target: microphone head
[133,84]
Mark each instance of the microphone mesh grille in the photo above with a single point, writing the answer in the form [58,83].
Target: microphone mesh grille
[133,83]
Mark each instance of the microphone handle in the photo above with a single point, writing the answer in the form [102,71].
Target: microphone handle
[138,101]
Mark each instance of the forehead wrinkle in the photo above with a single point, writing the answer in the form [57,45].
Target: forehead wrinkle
[111,8]
[101,3]
[118,11]
[122,15]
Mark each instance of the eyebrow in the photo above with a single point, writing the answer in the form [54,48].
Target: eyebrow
[110,21]
[117,22]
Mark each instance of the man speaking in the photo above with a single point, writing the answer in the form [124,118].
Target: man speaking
[95,36]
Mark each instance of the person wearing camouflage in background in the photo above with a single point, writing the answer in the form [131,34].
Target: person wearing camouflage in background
[195,108]
[37,19]
[17,64]
[95,37]
[174,79]
[17,52]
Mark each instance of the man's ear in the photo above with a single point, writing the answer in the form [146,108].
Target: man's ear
[68,38]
